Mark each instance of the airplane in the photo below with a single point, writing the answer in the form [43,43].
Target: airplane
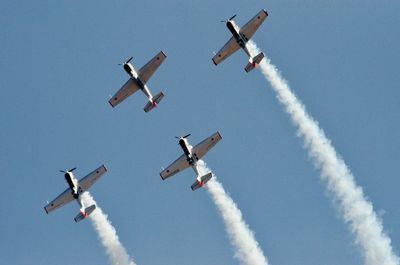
[240,37]
[76,188]
[190,158]
[138,80]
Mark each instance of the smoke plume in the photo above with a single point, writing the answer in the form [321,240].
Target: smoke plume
[247,250]
[107,234]
[356,210]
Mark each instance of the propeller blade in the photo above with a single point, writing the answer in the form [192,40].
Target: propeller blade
[72,169]
[129,60]
[233,17]
[62,171]
[187,135]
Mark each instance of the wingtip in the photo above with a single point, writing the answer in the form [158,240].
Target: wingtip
[164,54]
[109,102]
[219,134]
[162,177]
[214,62]
[45,210]
[265,11]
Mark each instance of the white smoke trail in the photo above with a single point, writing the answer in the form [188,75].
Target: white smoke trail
[107,234]
[242,238]
[355,208]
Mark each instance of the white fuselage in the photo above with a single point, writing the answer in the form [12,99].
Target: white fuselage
[133,74]
[241,40]
[74,185]
[191,158]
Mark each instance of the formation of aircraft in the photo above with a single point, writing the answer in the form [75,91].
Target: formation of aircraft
[74,191]
[138,80]
[239,39]
[190,157]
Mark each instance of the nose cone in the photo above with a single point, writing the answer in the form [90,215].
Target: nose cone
[127,68]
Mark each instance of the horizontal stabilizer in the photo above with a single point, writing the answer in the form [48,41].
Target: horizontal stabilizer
[156,99]
[254,62]
[200,182]
[83,215]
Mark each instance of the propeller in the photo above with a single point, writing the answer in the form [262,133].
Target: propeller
[229,19]
[72,169]
[186,136]
[126,61]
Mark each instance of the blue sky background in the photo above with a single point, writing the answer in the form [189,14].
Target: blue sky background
[59,65]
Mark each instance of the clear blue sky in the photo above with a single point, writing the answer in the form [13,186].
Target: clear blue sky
[59,65]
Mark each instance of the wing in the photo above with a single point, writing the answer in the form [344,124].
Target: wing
[202,148]
[126,90]
[148,69]
[178,165]
[248,30]
[230,47]
[61,200]
[86,182]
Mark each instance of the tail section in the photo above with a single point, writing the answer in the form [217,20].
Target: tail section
[85,214]
[151,104]
[201,181]
[254,62]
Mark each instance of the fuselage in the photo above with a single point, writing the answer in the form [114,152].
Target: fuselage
[191,158]
[130,70]
[74,186]
[235,30]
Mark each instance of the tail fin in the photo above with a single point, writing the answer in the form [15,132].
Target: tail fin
[254,62]
[85,214]
[156,99]
[200,182]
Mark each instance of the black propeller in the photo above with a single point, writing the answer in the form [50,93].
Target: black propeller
[126,61]
[229,19]
[72,169]
[187,135]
